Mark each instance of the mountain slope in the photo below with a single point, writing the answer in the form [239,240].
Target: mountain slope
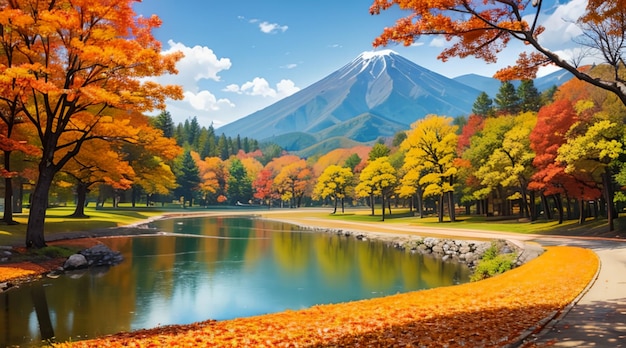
[491,86]
[378,83]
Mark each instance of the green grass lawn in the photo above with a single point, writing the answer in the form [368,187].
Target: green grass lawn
[58,221]
[540,226]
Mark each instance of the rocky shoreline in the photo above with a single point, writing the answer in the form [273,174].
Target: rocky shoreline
[467,252]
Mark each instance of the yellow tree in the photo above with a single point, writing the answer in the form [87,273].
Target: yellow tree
[509,165]
[334,182]
[430,148]
[293,181]
[484,28]
[592,151]
[75,59]
[377,178]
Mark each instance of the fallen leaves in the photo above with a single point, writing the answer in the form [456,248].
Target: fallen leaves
[20,271]
[489,313]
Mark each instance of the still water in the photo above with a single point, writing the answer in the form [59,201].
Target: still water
[214,268]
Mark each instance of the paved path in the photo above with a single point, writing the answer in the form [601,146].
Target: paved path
[598,319]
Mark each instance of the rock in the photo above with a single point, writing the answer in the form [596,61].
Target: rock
[101,255]
[75,261]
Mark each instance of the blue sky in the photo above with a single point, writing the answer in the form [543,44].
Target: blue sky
[241,56]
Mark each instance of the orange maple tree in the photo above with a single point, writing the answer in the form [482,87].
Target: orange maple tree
[72,60]
[551,178]
[484,28]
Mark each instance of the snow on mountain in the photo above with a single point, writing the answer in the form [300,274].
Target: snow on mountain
[381,84]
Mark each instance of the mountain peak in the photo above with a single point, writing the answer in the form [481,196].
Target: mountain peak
[375,54]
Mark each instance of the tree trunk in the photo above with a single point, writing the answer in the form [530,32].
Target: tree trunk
[532,206]
[81,198]
[451,206]
[335,210]
[440,208]
[546,207]
[342,206]
[382,197]
[39,205]
[581,213]
[8,192]
[559,206]
[524,206]
[372,203]
[420,203]
[608,195]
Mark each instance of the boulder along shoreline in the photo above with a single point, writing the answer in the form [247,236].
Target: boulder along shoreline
[463,251]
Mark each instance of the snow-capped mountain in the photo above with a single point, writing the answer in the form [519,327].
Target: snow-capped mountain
[375,95]
[380,88]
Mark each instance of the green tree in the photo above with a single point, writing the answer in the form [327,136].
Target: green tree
[379,150]
[530,99]
[164,122]
[352,161]
[334,182]
[483,106]
[223,150]
[507,100]
[239,184]
[187,178]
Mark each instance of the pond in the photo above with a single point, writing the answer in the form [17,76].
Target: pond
[214,268]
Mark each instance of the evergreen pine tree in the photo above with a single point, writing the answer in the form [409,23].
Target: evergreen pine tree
[222,147]
[530,99]
[187,177]
[483,106]
[164,122]
[507,101]
[239,184]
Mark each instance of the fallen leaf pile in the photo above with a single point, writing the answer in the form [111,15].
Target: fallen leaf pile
[489,313]
[20,270]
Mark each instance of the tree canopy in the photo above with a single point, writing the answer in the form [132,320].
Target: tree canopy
[484,28]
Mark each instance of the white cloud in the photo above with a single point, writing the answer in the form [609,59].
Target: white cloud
[286,88]
[438,42]
[271,28]
[199,62]
[290,66]
[206,101]
[261,87]
[561,25]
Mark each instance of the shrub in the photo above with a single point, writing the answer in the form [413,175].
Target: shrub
[493,263]
[54,252]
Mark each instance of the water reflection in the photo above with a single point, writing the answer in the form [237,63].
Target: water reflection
[214,268]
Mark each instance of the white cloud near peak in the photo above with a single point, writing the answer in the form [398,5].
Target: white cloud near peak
[261,87]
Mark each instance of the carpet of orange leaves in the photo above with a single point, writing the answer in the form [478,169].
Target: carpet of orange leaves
[20,270]
[489,313]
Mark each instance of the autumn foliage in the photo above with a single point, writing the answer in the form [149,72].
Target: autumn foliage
[489,313]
